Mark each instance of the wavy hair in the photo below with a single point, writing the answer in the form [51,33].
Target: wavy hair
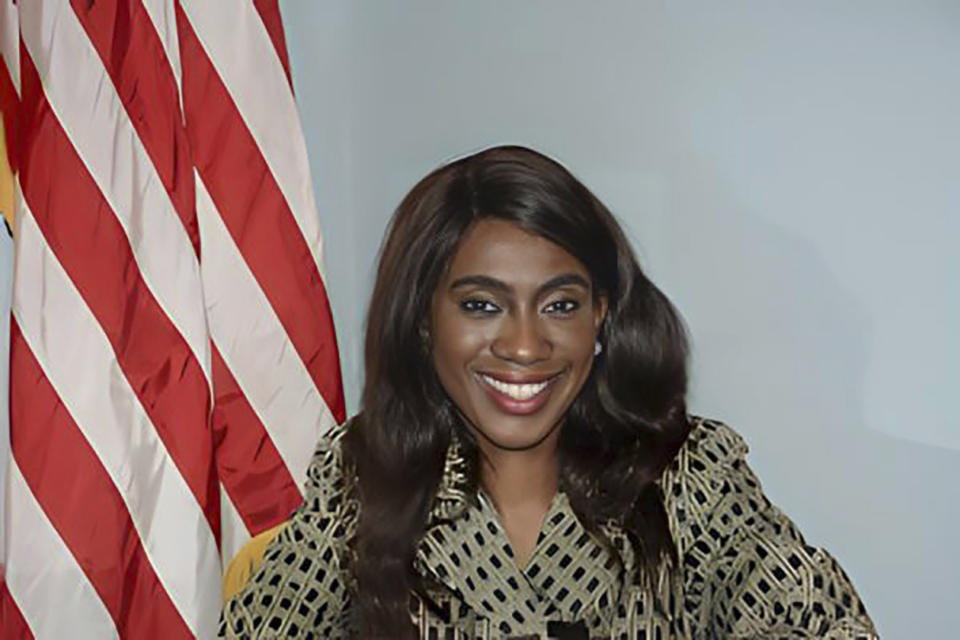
[626,424]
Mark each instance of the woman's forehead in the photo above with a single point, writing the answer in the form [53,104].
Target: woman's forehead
[505,251]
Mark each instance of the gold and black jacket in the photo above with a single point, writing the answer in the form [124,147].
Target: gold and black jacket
[744,569]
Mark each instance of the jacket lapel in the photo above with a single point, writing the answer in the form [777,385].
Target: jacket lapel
[472,557]
[571,576]
[573,573]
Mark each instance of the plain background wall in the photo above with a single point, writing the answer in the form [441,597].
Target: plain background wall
[790,174]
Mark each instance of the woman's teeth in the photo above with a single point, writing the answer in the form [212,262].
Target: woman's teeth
[516,391]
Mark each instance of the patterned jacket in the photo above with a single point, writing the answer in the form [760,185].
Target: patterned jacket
[744,572]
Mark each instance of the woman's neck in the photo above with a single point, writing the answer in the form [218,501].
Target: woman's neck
[521,485]
[516,478]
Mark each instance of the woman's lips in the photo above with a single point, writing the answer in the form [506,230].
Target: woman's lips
[518,398]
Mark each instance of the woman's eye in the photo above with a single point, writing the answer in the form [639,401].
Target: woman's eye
[562,307]
[477,306]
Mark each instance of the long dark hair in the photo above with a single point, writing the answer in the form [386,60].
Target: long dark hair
[624,427]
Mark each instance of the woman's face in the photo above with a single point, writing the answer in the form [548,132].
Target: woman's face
[513,321]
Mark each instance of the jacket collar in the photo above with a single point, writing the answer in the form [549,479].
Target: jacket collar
[570,576]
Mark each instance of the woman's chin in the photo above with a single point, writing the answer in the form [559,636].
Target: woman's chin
[524,438]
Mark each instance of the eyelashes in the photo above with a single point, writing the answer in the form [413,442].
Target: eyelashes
[484,307]
[562,307]
[476,306]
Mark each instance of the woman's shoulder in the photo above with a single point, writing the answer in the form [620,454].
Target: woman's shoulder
[300,583]
[745,564]
[710,465]
[326,515]
[713,442]
[326,484]
[711,452]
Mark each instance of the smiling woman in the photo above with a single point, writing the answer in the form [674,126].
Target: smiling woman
[514,324]
[524,465]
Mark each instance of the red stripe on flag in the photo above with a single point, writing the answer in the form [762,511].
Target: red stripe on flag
[12,624]
[249,465]
[258,217]
[133,55]
[82,503]
[90,243]
[270,14]
[9,103]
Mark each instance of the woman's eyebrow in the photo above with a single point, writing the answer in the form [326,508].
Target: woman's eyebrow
[563,280]
[481,281]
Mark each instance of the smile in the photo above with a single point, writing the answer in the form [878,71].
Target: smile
[516,391]
[520,396]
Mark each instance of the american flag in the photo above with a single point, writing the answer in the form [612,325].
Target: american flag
[173,359]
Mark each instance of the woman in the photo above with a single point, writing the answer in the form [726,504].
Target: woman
[524,465]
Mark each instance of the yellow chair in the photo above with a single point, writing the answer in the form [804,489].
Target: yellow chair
[247,561]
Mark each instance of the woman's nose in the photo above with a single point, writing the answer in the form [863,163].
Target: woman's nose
[521,340]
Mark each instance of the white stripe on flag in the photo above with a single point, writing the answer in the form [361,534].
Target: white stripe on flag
[50,589]
[252,341]
[233,533]
[85,102]
[65,339]
[255,79]
[164,18]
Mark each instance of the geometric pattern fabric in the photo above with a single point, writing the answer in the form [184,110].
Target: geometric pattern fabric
[745,571]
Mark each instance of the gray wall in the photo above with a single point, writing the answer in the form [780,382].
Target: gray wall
[789,174]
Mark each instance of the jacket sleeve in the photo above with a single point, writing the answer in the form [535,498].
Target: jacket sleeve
[300,587]
[748,569]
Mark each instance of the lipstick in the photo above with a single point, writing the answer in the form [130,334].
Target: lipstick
[520,397]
